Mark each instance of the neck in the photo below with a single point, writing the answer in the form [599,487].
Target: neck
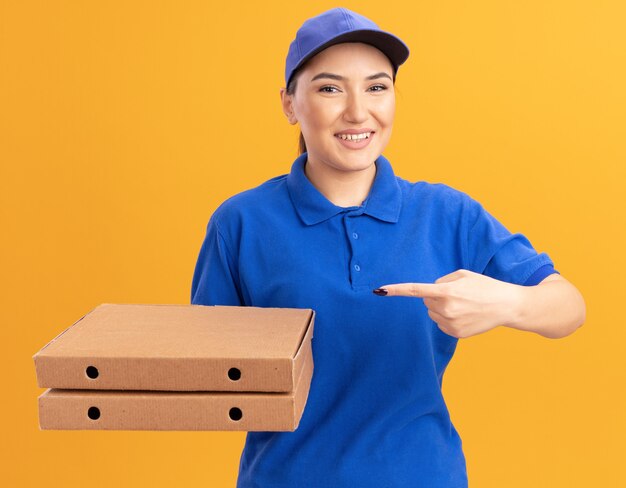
[342,188]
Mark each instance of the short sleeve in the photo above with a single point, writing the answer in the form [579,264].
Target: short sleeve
[494,251]
[215,280]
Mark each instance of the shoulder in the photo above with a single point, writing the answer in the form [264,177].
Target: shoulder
[436,196]
[269,193]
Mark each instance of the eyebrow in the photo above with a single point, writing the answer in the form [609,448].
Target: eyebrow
[340,78]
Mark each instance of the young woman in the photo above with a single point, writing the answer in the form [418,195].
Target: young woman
[335,234]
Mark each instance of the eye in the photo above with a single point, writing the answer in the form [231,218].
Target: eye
[378,87]
[328,89]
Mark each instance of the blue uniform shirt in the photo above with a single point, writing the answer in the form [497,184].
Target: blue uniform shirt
[375,415]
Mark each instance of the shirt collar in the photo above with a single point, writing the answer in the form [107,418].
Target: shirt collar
[383,202]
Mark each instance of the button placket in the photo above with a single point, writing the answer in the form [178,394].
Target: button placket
[355,265]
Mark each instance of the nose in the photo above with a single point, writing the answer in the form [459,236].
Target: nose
[356,110]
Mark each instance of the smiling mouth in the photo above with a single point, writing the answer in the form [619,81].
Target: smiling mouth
[354,137]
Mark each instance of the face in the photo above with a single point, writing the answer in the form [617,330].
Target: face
[345,89]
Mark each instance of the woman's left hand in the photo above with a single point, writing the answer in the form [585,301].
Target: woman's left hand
[464,303]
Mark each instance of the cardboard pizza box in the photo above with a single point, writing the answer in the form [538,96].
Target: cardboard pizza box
[166,410]
[179,348]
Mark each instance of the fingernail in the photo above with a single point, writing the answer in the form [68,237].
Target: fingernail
[380,291]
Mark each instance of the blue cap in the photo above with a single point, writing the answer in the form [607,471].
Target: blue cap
[341,25]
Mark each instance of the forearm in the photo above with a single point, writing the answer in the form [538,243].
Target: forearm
[553,309]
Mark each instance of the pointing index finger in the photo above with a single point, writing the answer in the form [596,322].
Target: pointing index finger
[420,290]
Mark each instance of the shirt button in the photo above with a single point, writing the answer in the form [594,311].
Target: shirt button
[357,267]
[355,235]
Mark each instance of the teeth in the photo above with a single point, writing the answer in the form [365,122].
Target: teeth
[354,137]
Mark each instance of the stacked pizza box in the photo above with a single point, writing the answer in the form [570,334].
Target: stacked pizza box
[178,367]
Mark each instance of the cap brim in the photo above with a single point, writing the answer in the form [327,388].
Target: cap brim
[396,50]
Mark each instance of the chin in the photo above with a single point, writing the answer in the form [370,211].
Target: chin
[359,161]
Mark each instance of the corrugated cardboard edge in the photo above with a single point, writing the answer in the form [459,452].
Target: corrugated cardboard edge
[102,305]
[68,328]
[300,357]
[62,409]
[35,356]
[289,382]
[302,394]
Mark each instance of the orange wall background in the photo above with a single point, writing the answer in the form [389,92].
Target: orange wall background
[123,124]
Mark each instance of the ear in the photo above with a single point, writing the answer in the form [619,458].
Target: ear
[287,102]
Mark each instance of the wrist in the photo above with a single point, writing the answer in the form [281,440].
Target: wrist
[521,299]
